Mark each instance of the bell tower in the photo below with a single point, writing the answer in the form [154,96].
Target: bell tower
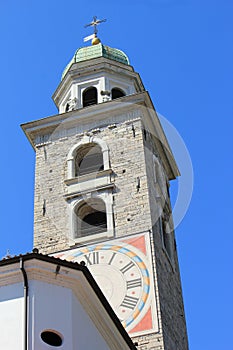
[103,167]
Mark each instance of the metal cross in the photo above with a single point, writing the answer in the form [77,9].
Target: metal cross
[94,23]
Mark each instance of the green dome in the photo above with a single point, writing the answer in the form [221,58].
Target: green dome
[95,51]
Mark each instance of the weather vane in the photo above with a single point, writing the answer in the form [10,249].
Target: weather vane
[94,24]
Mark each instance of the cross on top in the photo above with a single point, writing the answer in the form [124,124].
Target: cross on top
[94,24]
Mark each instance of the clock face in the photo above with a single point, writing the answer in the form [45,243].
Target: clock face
[123,276]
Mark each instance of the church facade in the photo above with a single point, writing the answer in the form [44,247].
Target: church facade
[48,303]
[103,167]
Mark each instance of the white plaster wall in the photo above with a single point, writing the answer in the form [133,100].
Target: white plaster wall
[56,308]
[50,309]
[102,81]
[85,334]
[11,317]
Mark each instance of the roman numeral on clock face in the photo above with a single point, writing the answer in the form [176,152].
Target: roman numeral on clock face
[127,267]
[137,282]
[92,258]
[129,302]
[111,259]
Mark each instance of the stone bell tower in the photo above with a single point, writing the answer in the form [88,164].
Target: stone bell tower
[103,167]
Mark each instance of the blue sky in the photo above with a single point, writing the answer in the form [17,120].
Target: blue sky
[183,51]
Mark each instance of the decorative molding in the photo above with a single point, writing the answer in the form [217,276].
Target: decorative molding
[84,191]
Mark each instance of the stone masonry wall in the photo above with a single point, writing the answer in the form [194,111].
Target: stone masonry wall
[167,268]
[130,193]
[136,206]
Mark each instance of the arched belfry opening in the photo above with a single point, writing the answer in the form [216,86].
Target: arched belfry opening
[67,107]
[89,159]
[89,96]
[90,217]
[116,93]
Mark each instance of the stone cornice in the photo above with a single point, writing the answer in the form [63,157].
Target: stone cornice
[83,120]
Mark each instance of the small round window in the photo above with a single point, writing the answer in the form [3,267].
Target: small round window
[51,337]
